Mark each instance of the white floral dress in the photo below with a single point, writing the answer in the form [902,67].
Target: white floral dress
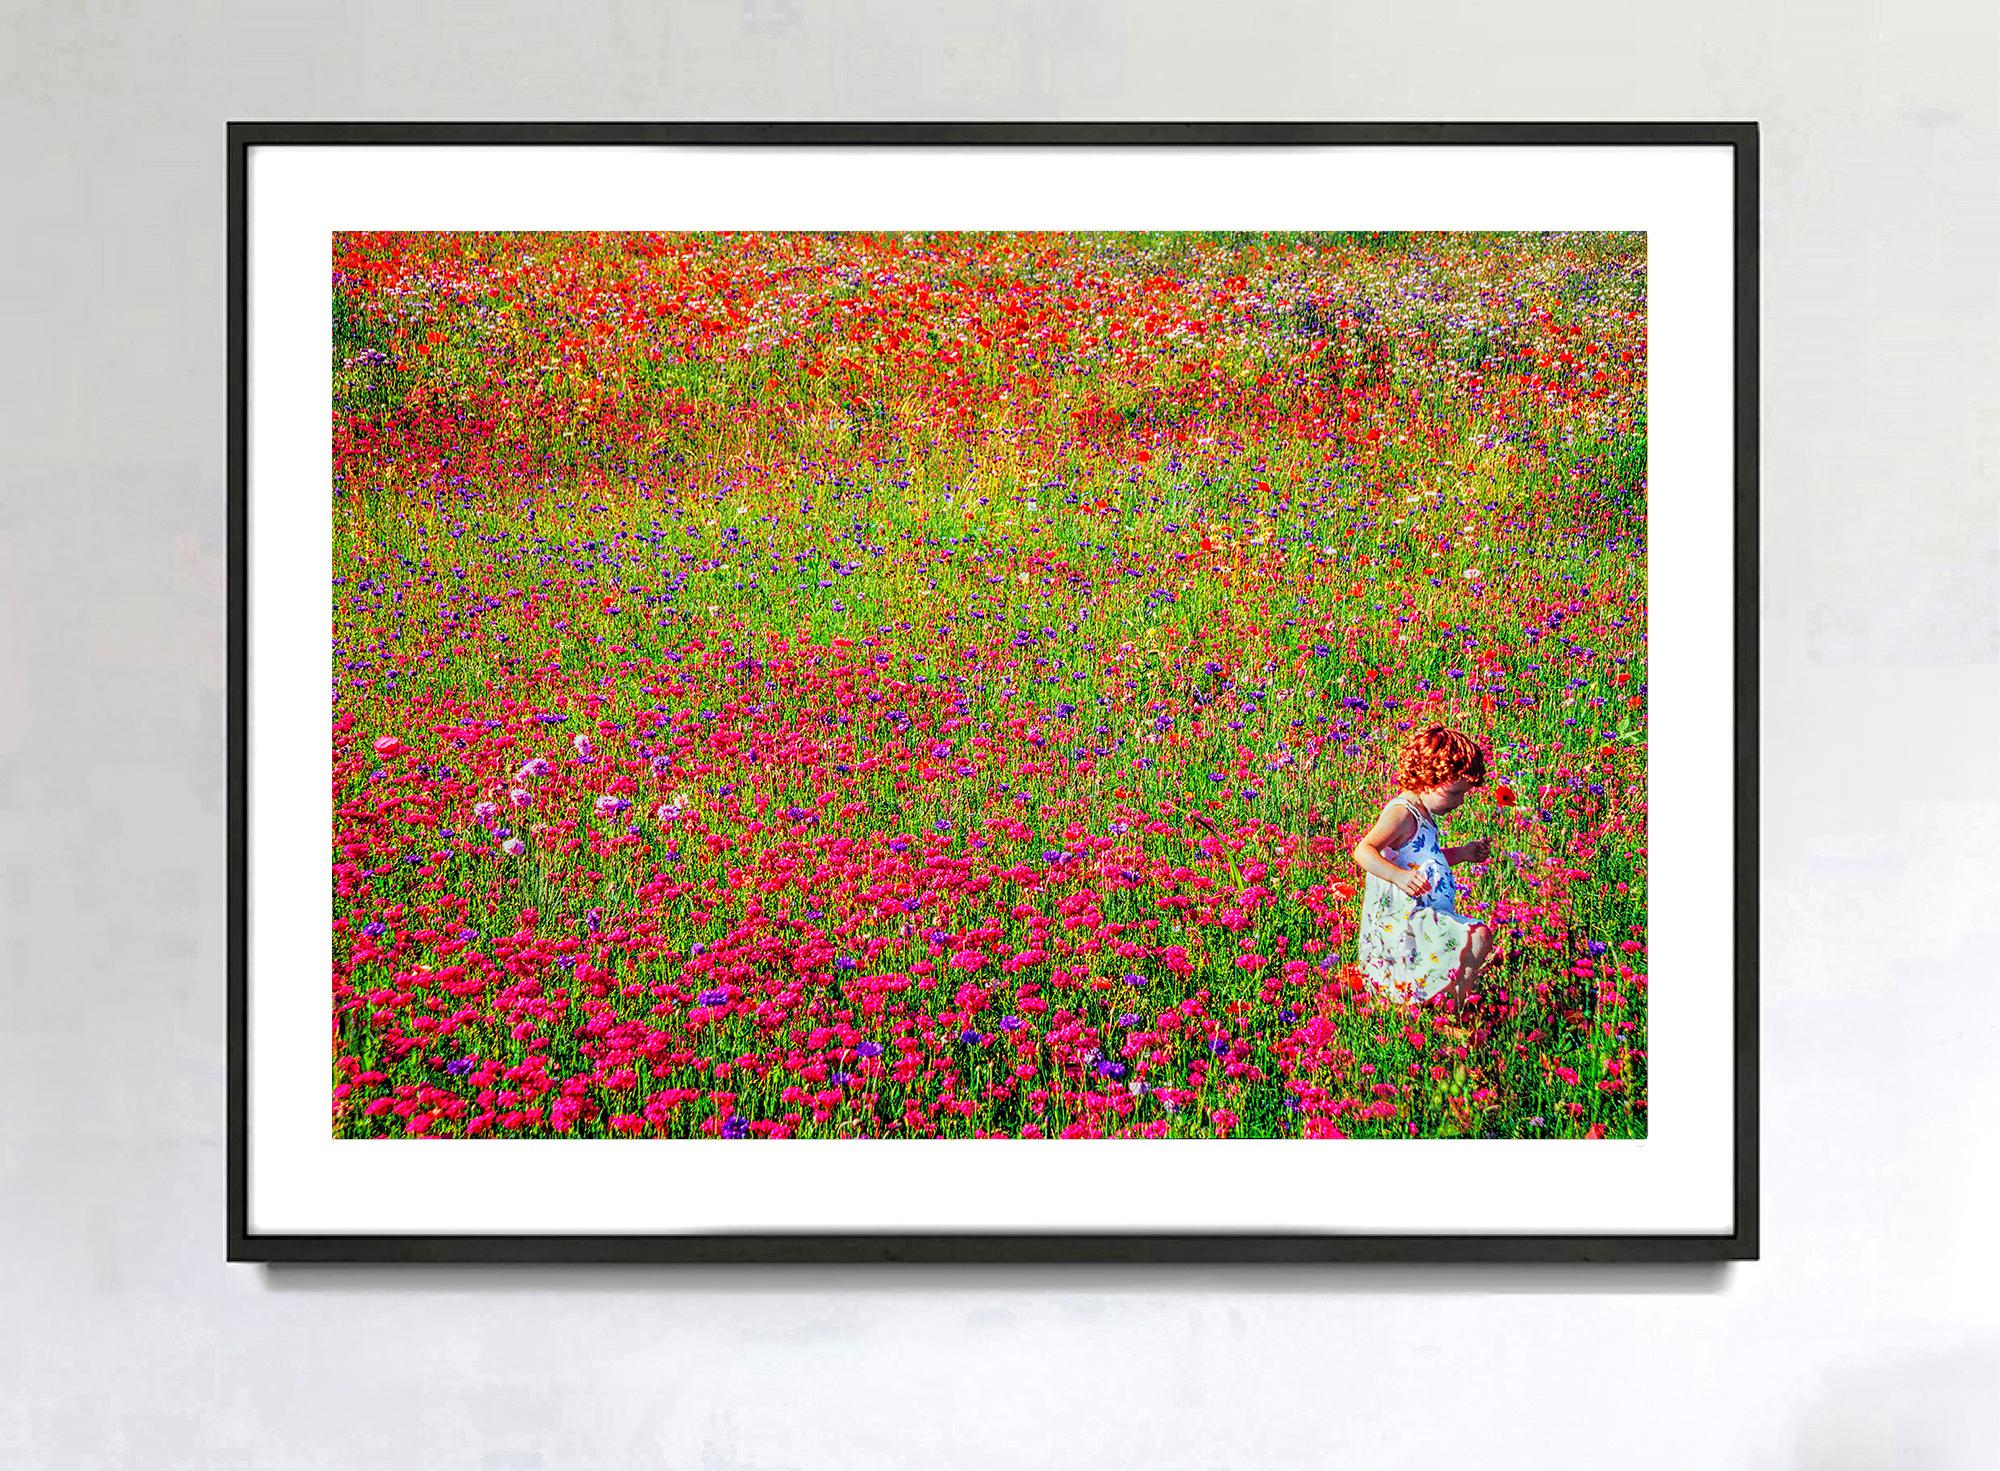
[1409,948]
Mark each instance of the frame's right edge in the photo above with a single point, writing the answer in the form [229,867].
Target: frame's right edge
[1744,1243]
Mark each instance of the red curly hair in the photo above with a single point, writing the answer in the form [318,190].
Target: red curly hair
[1435,756]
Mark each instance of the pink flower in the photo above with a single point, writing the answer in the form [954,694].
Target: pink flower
[389,747]
[583,746]
[514,846]
[520,797]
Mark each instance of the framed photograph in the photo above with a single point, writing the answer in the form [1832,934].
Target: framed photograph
[975,692]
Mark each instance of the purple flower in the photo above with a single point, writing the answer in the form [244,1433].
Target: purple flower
[868,1049]
[533,766]
[610,806]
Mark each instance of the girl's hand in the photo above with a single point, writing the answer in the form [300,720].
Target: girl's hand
[1414,883]
[1476,851]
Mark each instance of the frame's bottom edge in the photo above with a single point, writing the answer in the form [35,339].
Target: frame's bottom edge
[1002,1249]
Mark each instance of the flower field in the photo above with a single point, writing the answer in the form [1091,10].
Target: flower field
[825,686]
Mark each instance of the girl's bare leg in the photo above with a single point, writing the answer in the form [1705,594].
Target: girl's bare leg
[1471,960]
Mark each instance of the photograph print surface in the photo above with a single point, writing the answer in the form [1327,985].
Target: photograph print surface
[1010,685]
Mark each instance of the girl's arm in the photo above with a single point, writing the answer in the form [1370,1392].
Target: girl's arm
[1476,851]
[1392,829]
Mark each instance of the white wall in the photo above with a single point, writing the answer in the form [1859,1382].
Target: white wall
[1858,1342]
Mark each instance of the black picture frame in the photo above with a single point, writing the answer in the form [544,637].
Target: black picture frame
[1741,1243]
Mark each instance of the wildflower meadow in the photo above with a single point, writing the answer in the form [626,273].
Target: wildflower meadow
[826,686]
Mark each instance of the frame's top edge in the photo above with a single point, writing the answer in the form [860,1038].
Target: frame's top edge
[1212,132]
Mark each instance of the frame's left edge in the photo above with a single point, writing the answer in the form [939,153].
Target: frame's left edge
[240,1245]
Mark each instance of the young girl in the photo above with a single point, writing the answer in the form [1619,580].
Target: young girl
[1414,942]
